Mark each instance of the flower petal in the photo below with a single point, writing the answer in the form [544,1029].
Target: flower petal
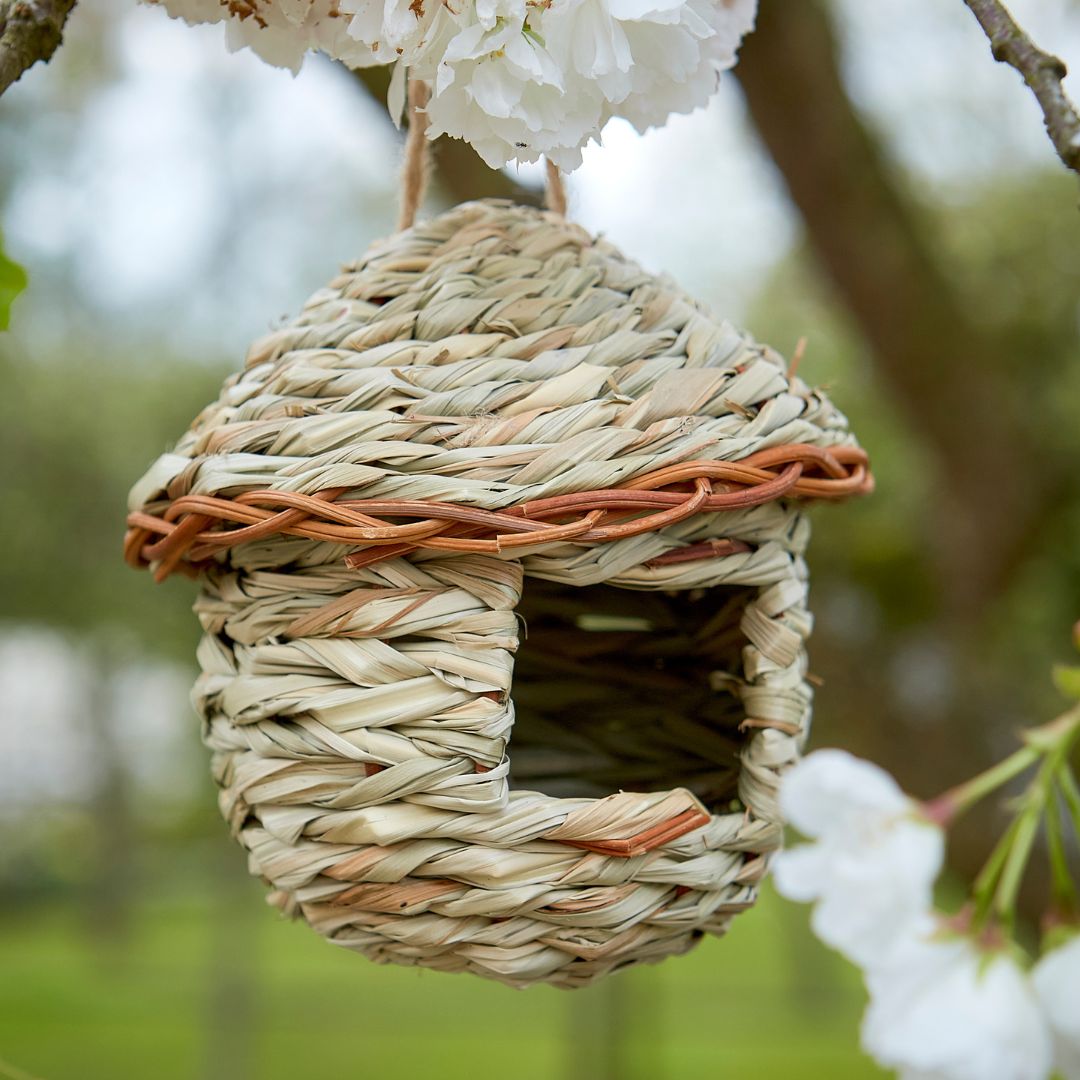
[830,790]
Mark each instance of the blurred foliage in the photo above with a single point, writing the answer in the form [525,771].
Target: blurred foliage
[1067,680]
[76,432]
[872,543]
[12,282]
[1016,259]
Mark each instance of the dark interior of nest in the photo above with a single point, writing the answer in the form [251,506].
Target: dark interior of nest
[621,690]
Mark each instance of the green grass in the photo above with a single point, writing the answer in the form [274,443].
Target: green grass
[221,988]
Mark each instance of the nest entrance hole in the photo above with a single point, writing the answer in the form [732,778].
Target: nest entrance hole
[623,690]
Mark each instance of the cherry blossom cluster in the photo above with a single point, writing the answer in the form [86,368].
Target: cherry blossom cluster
[518,79]
[950,998]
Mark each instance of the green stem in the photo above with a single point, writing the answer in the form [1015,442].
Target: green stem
[947,807]
[1067,784]
[1064,887]
[1055,740]
[998,885]
[986,882]
[1057,736]
[1027,828]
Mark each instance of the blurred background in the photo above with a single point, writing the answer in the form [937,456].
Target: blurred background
[869,178]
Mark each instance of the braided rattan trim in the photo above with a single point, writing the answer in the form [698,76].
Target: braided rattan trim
[185,530]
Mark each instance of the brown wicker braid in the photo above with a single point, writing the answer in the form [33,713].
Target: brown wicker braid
[769,474]
[494,481]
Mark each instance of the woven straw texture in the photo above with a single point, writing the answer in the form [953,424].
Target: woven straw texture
[360,714]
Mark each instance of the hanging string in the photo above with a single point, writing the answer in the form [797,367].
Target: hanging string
[414,174]
[417,162]
[555,194]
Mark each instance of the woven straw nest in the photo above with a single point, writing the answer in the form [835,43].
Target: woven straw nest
[495,480]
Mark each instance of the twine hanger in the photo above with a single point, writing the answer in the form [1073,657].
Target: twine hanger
[417,163]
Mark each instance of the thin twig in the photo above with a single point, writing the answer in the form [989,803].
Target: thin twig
[1043,72]
[30,30]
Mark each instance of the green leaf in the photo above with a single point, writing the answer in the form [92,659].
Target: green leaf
[1067,680]
[12,282]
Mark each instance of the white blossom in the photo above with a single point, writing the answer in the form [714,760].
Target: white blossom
[516,78]
[678,52]
[499,88]
[1057,983]
[280,32]
[414,34]
[873,861]
[943,1009]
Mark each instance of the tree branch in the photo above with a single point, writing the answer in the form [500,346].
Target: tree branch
[30,30]
[1042,72]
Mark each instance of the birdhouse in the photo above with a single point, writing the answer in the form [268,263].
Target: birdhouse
[500,553]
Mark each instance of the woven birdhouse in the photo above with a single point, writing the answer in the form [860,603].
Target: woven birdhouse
[500,546]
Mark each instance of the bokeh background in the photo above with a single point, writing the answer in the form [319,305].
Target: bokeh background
[869,179]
